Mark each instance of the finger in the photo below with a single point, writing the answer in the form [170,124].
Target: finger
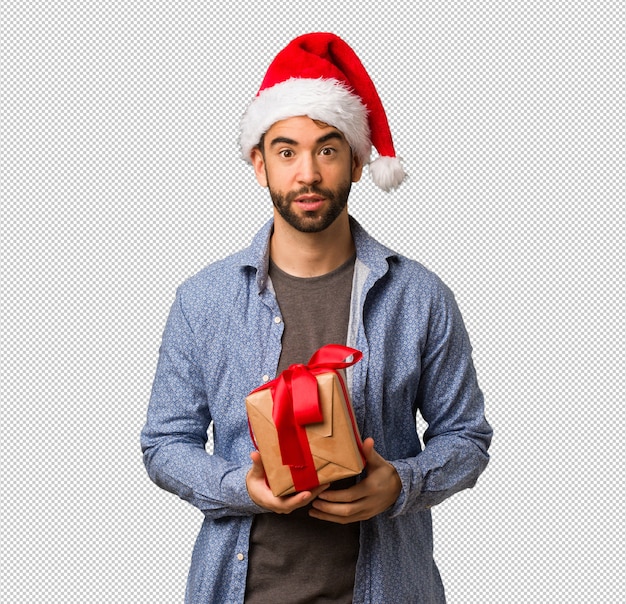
[317,491]
[289,503]
[293,502]
[311,494]
[340,508]
[372,457]
[354,493]
[257,469]
[368,447]
[338,513]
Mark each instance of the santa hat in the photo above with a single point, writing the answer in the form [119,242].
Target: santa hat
[320,76]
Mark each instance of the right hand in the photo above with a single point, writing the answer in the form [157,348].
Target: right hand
[262,495]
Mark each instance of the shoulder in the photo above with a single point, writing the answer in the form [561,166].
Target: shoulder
[217,272]
[214,288]
[386,266]
[406,281]
[414,276]
[223,279]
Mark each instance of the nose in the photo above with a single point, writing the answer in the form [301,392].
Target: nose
[308,170]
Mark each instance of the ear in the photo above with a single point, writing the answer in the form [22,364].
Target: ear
[258,163]
[357,167]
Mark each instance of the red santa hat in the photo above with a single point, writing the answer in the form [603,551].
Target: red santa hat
[320,76]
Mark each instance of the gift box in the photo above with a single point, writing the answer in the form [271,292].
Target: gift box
[303,424]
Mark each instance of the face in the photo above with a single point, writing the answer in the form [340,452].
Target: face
[308,168]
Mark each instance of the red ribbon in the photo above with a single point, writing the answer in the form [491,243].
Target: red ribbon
[296,404]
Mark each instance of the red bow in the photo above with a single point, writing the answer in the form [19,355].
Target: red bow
[296,404]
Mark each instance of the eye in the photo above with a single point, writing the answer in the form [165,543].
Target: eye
[286,153]
[327,151]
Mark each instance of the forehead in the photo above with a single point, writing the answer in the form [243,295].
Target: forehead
[301,129]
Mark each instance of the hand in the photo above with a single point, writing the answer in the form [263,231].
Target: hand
[262,495]
[373,495]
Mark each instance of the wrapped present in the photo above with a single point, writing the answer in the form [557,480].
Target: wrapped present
[303,424]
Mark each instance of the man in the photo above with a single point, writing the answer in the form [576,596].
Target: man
[312,276]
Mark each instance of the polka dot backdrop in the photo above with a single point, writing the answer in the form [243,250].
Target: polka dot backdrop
[121,177]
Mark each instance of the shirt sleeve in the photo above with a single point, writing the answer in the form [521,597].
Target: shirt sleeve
[174,437]
[451,402]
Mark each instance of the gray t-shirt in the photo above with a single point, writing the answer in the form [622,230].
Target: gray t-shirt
[293,557]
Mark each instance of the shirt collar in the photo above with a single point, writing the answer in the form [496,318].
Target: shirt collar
[369,251]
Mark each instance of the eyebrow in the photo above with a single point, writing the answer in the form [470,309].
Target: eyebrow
[284,140]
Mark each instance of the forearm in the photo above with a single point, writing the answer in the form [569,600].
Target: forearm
[448,464]
[451,403]
[208,482]
[175,434]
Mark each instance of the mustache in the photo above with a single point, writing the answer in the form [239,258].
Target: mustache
[309,190]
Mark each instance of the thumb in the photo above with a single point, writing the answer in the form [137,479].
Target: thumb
[371,455]
[257,469]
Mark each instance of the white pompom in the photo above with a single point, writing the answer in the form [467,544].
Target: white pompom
[387,172]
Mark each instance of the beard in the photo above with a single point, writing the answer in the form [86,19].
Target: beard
[316,221]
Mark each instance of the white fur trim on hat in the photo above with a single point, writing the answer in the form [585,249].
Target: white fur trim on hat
[327,100]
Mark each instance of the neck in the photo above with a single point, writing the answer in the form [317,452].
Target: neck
[311,254]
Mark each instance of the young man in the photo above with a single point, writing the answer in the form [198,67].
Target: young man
[312,276]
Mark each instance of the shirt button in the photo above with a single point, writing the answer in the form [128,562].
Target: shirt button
[277,320]
[266,377]
[240,557]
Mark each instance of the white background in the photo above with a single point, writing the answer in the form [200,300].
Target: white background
[120,177]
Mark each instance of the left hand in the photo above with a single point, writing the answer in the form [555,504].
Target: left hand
[373,495]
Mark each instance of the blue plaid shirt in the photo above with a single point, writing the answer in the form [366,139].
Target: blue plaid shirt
[223,339]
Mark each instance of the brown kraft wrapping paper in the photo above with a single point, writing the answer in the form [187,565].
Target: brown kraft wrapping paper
[334,442]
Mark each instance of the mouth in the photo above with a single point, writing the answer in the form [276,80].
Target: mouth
[309,203]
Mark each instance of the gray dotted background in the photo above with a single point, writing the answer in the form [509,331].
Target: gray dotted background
[120,177]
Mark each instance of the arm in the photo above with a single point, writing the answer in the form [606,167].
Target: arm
[457,438]
[451,402]
[175,434]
